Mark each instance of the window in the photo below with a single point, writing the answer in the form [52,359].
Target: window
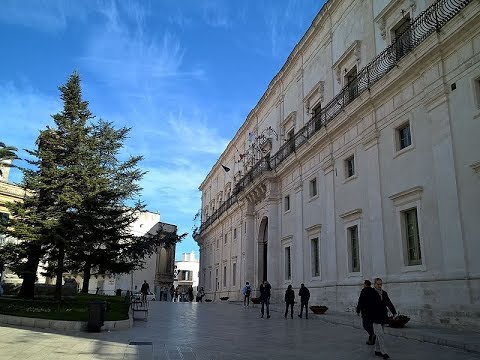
[291,139]
[352,83]
[225,238]
[234,233]
[402,37]
[210,280]
[350,167]
[218,243]
[476,89]
[410,220]
[287,202]
[288,264]
[313,187]
[234,274]
[354,249]
[216,279]
[186,275]
[224,276]
[404,136]
[315,257]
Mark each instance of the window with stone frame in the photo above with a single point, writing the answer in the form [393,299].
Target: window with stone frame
[313,187]
[476,90]
[354,263]
[291,138]
[225,238]
[286,203]
[234,274]
[224,276]
[412,237]
[403,136]
[349,166]
[288,263]
[234,233]
[351,83]
[402,36]
[315,251]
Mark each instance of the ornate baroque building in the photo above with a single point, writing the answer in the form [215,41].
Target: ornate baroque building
[361,159]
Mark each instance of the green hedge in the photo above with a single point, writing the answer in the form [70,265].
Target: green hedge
[74,309]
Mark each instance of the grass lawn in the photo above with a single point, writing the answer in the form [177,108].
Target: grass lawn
[74,309]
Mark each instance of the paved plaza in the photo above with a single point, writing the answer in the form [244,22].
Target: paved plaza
[213,331]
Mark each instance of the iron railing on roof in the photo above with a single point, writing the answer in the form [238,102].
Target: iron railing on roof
[427,22]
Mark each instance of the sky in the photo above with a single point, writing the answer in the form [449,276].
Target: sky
[182,74]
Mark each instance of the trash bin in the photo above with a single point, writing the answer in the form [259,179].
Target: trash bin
[96,315]
[118,292]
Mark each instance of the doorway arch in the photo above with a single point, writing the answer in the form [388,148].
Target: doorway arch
[263,250]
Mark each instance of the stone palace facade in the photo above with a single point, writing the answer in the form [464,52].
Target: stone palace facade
[361,160]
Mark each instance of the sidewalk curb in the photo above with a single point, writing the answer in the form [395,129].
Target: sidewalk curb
[61,325]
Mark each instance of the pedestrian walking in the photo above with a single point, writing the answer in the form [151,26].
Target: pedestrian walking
[200,295]
[289,300]
[361,308]
[304,294]
[190,294]
[247,290]
[376,304]
[144,291]
[172,293]
[265,291]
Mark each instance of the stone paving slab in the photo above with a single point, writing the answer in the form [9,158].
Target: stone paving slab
[463,339]
[214,331]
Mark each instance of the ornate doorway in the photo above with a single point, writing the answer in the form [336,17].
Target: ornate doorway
[263,250]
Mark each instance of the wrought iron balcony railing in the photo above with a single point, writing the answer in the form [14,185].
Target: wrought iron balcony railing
[427,22]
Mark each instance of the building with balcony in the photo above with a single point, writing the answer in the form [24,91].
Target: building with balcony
[186,273]
[361,160]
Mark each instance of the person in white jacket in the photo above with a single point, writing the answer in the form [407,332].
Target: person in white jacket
[247,290]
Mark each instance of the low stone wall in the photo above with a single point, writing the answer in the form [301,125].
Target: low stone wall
[62,325]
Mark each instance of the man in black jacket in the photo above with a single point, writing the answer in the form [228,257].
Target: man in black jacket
[304,294]
[265,289]
[289,300]
[361,308]
[375,303]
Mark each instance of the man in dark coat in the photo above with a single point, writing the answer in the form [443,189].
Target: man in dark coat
[265,290]
[289,300]
[304,294]
[361,308]
[376,304]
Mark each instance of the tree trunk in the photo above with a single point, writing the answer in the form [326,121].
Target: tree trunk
[27,291]
[86,276]
[59,271]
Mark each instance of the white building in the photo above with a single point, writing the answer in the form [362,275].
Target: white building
[361,159]
[158,268]
[186,272]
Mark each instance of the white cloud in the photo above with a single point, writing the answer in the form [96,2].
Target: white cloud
[23,112]
[215,14]
[50,16]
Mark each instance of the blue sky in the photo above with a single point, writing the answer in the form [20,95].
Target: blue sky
[183,74]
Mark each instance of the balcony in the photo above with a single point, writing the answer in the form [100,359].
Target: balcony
[413,34]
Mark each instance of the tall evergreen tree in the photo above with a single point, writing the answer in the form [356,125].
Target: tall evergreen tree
[77,215]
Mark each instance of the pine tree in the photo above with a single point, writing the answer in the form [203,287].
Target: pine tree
[106,243]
